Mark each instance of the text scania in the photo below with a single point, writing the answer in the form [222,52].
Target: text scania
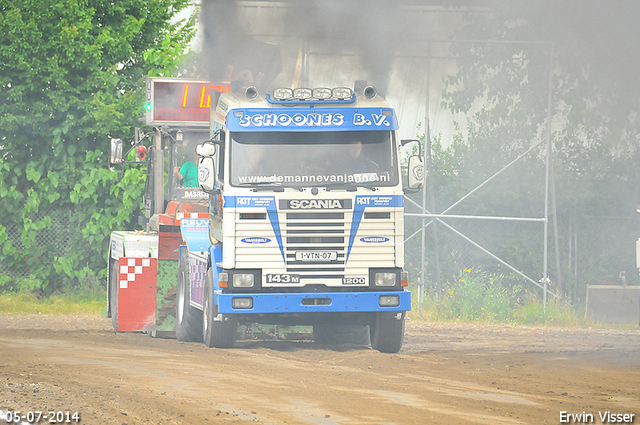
[320,203]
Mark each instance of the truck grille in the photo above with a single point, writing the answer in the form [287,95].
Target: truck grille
[316,231]
[327,233]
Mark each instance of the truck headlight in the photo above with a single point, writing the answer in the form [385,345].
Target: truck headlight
[322,93]
[389,301]
[385,279]
[342,93]
[244,303]
[243,280]
[283,93]
[302,93]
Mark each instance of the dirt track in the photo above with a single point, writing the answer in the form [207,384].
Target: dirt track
[445,374]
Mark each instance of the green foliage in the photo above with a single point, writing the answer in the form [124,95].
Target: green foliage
[517,192]
[556,313]
[72,73]
[477,296]
[503,87]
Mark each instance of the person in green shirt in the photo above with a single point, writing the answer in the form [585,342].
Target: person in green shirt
[188,173]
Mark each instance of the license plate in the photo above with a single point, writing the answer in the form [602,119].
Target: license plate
[317,256]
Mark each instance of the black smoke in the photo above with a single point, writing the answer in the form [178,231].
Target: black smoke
[368,30]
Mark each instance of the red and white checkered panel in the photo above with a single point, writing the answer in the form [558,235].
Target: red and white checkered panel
[137,294]
[133,267]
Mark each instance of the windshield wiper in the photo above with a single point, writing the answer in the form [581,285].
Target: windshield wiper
[261,183]
[275,186]
[351,187]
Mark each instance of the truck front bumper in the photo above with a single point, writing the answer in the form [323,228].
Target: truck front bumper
[343,302]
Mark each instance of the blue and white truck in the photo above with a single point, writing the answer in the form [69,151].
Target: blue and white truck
[305,221]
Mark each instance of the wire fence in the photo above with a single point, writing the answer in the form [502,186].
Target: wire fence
[54,240]
[592,251]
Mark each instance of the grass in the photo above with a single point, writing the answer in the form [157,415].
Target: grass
[21,303]
[530,313]
[475,296]
[479,297]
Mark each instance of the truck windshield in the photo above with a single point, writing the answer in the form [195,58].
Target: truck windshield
[303,159]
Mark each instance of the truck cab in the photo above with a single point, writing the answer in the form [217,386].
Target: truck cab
[306,219]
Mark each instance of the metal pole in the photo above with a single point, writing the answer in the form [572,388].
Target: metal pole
[546,182]
[423,274]
[575,261]
[420,294]
[435,223]
[554,209]
[552,175]
[170,175]
[158,174]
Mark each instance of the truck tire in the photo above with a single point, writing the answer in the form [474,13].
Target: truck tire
[332,334]
[113,294]
[218,332]
[387,332]
[188,318]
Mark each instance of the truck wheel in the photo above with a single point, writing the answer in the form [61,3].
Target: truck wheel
[113,294]
[387,332]
[332,334]
[188,318]
[219,332]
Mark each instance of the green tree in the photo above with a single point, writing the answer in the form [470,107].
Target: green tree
[71,74]
[596,125]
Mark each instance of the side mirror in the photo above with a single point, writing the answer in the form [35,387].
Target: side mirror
[206,149]
[116,151]
[206,173]
[407,141]
[415,172]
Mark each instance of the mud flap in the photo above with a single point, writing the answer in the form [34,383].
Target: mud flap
[136,294]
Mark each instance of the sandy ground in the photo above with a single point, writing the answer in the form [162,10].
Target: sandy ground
[445,374]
